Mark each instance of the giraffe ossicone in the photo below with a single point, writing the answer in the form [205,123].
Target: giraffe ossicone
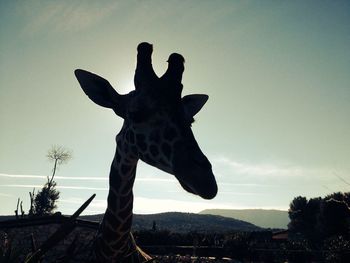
[157,130]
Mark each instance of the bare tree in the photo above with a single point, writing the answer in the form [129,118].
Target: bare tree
[45,199]
[31,196]
[58,155]
[16,211]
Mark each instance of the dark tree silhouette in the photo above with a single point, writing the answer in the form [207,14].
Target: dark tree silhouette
[297,213]
[311,219]
[320,218]
[335,215]
[45,200]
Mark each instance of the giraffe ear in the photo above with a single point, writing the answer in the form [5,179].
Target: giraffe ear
[100,91]
[193,103]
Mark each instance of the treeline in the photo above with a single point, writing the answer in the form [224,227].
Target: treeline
[169,238]
[322,224]
[317,219]
[239,245]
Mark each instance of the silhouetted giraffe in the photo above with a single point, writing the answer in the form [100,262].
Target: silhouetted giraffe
[155,131]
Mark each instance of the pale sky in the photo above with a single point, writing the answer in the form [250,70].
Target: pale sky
[277,124]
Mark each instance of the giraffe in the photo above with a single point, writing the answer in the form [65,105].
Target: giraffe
[156,132]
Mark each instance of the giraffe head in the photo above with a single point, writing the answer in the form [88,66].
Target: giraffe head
[158,130]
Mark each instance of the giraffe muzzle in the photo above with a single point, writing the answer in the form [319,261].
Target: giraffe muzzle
[197,177]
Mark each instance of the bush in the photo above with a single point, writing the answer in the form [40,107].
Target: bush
[45,199]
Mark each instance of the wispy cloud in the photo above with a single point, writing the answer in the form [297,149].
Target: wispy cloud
[240,193]
[23,176]
[83,188]
[149,179]
[21,185]
[97,203]
[58,187]
[63,16]
[246,184]
[264,169]
[84,178]
[5,195]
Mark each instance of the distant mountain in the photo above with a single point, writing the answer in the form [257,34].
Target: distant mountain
[259,217]
[186,222]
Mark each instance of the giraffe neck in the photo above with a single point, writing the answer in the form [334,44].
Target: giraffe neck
[114,242]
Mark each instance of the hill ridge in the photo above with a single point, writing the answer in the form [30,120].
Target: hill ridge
[186,222]
[266,218]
